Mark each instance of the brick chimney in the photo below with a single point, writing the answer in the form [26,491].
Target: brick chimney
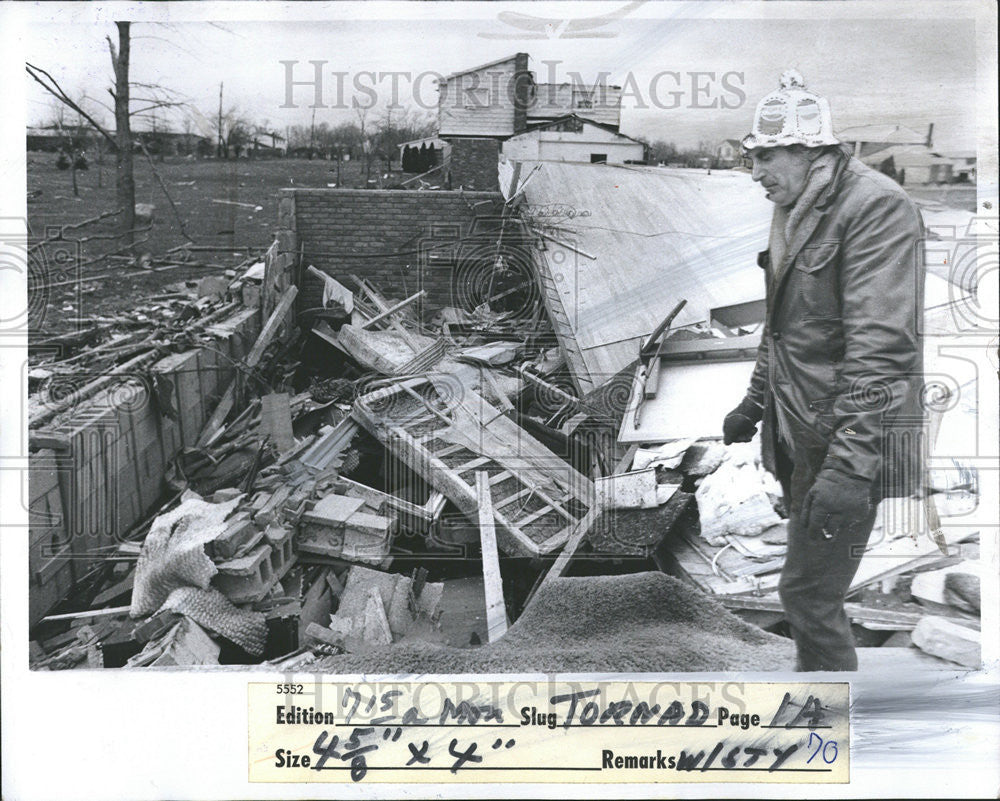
[522,92]
[930,136]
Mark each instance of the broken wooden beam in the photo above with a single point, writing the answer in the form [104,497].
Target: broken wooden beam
[264,339]
[496,610]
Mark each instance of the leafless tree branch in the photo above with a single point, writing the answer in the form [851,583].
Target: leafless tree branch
[51,85]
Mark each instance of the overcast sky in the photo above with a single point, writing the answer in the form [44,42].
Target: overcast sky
[905,70]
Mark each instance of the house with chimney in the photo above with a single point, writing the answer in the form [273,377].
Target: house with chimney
[900,152]
[500,107]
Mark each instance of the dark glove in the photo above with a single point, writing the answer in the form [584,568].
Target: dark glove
[741,423]
[836,503]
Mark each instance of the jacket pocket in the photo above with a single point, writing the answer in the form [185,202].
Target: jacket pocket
[823,409]
[815,276]
[815,257]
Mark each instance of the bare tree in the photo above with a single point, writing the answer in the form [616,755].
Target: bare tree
[121,140]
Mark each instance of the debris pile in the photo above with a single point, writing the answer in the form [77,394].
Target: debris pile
[382,484]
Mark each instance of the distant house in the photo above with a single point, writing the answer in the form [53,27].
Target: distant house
[963,166]
[483,106]
[171,143]
[729,153]
[911,164]
[574,138]
[54,138]
[869,139]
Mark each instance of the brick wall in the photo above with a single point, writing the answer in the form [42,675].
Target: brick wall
[401,241]
[474,164]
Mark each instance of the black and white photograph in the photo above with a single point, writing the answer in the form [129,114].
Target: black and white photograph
[355,353]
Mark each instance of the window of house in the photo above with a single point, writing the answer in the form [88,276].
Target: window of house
[598,158]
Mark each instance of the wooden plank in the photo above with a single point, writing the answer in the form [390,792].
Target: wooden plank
[652,378]
[730,347]
[494,385]
[393,309]
[449,450]
[627,459]
[527,491]
[529,519]
[89,614]
[380,303]
[496,611]
[276,420]
[472,464]
[883,619]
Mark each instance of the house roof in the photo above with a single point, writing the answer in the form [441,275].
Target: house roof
[895,134]
[905,156]
[642,239]
[734,142]
[503,60]
[538,126]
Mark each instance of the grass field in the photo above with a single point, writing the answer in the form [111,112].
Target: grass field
[231,205]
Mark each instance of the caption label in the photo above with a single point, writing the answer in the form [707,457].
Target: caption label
[549,732]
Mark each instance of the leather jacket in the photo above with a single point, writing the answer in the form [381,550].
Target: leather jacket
[841,352]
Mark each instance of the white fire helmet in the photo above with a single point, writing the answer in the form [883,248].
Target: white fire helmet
[791,116]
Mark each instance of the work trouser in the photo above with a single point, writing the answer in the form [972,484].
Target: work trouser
[818,571]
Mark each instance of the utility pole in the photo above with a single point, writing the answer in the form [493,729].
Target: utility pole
[219,146]
[312,132]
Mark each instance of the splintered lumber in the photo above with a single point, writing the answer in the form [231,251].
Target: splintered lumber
[447,446]
[267,335]
[892,557]
[377,499]
[496,611]
[325,450]
[388,352]
[870,617]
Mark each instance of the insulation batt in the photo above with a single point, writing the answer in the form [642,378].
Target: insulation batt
[734,499]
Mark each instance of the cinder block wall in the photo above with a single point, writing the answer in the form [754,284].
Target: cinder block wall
[84,498]
[400,241]
[474,164]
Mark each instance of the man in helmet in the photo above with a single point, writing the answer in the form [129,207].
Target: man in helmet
[839,369]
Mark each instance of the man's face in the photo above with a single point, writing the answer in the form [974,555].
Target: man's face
[781,171]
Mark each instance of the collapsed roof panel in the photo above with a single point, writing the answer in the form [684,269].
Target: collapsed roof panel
[637,239]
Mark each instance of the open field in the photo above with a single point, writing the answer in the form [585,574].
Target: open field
[230,205]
